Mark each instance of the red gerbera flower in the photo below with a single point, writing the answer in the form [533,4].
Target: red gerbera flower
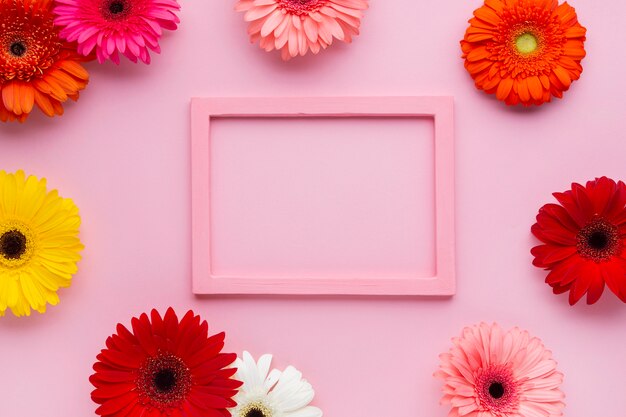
[584,240]
[164,368]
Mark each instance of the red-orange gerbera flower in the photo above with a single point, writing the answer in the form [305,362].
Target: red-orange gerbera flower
[36,66]
[524,51]
[584,240]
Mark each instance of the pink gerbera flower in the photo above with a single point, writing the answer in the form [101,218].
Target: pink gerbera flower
[114,27]
[493,373]
[296,26]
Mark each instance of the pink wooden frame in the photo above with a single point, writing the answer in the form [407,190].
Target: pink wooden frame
[439,108]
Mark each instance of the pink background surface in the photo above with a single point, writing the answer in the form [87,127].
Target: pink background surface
[122,153]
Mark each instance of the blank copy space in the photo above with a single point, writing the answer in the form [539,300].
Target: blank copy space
[322,197]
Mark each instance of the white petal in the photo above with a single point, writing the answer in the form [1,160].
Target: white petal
[263,365]
[272,379]
[306,412]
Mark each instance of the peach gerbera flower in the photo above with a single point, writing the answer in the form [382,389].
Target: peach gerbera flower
[36,66]
[524,51]
[296,26]
[490,372]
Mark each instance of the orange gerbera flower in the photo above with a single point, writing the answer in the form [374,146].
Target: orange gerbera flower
[524,51]
[36,66]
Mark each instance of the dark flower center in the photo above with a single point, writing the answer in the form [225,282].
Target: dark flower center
[254,412]
[599,240]
[164,382]
[13,244]
[496,390]
[17,49]
[116,7]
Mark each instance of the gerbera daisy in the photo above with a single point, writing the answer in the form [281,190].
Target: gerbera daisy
[39,245]
[272,394]
[524,51]
[584,239]
[164,368]
[296,26]
[493,373]
[114,27]
[36,66]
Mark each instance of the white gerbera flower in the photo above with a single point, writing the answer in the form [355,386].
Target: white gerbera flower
[271,394]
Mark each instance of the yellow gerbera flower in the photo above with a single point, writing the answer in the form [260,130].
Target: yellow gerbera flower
[39,244]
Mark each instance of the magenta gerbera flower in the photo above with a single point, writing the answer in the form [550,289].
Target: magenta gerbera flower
[113,27]
[490,372]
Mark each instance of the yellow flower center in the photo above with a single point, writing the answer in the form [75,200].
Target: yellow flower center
[526,43]
[16,244]
[256,409]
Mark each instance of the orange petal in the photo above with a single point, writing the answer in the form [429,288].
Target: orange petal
[487,15]
[44,103]
[75,69]
[535,87]
[50,87]
[17,98]
[28,98]
[7,96]
[522,89]
[478,54]
[563,76]
[504,88]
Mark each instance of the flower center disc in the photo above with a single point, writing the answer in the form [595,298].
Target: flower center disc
[256,409]
[13,244]
[116,7]
[526,43]
[113,10]
[164,382]
[254,412]
[599,241]
[301,7]
[17,49]
[496,390]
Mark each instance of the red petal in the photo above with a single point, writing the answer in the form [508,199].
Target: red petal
[116,404]
[201,338]
[614,275]
[204,354]
[587,274]
[567,201]
[615,210]
[100,395]
[210,400]
[546,255]
[565,272]
[171,324]
[600,192]
[549,231]
[582,200]
[189,326]
[595,290]
[561,215]
[108,376]
[124,359]
[143,331]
